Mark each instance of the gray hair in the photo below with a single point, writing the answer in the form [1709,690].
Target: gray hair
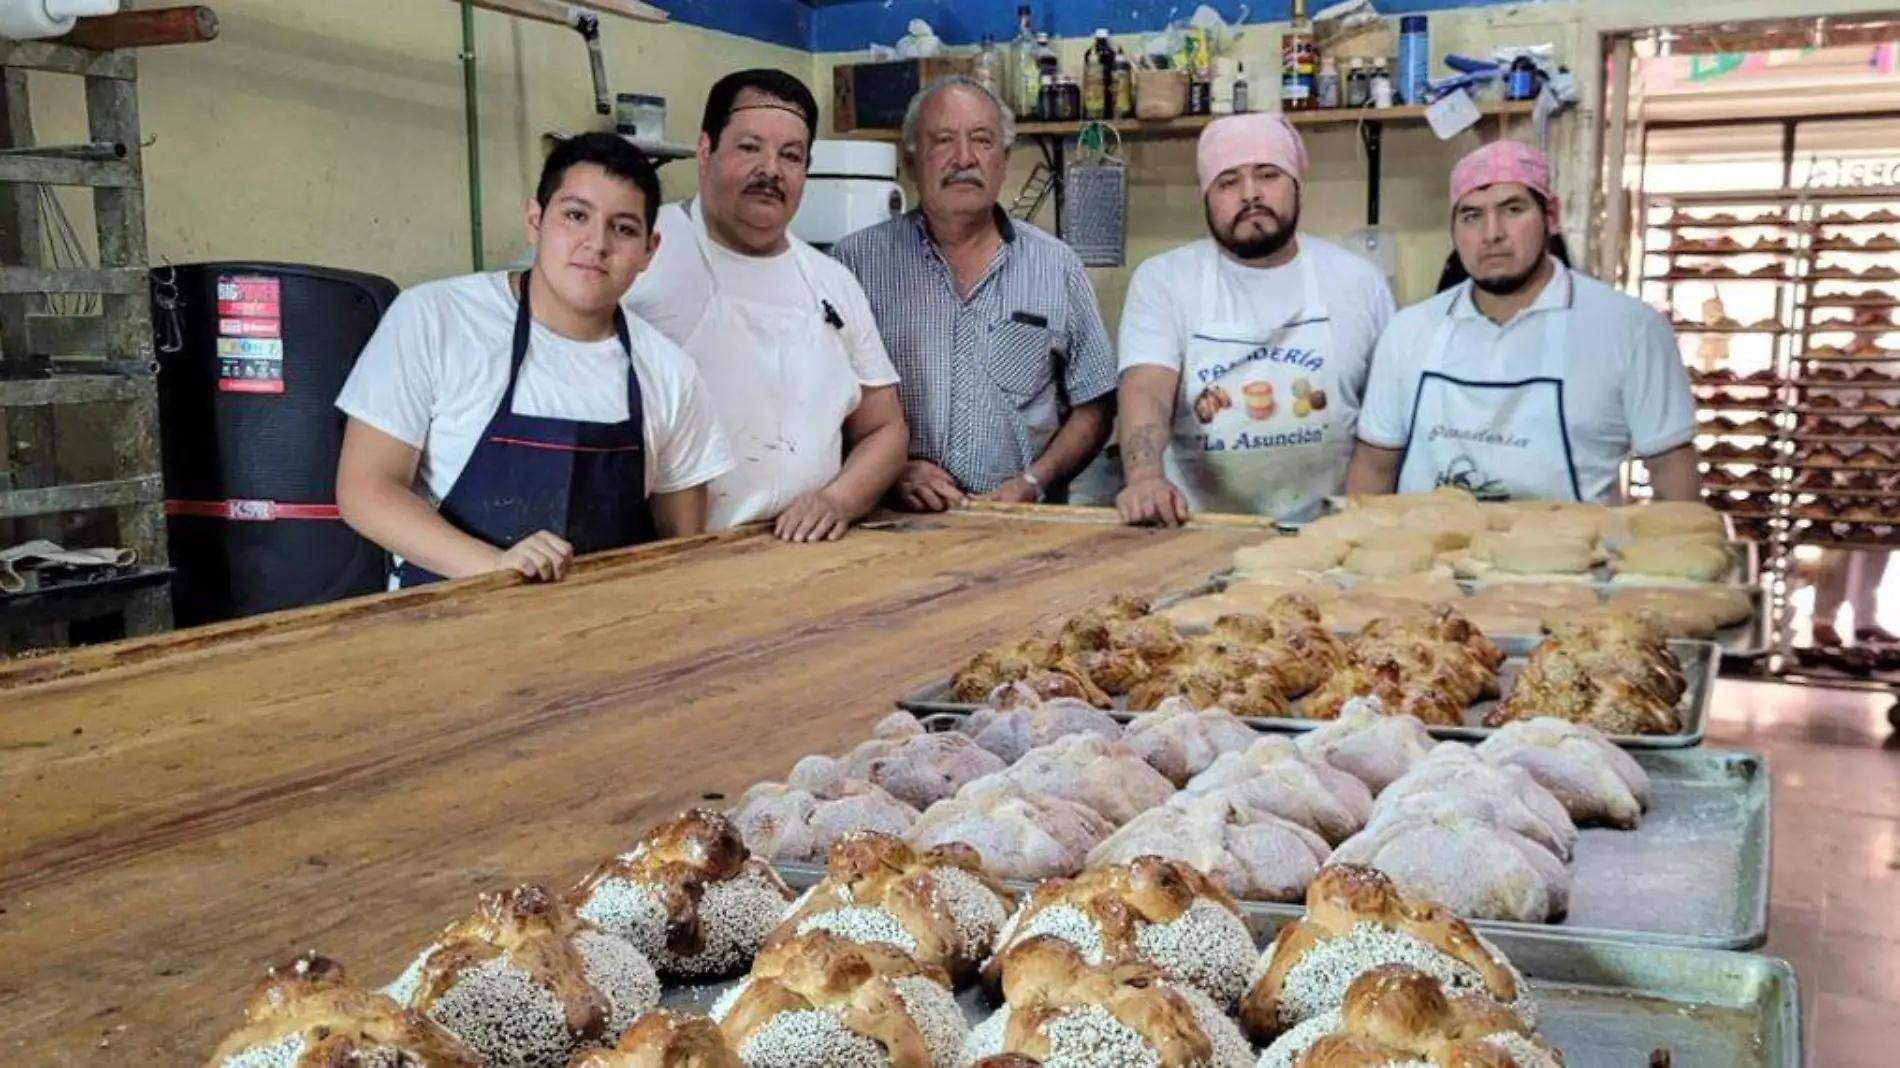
[1005,117]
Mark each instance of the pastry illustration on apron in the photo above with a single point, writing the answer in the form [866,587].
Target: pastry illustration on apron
[1257,428]
[1498,439]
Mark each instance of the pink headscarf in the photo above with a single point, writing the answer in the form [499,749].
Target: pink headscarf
[1499,162]
[1245,140]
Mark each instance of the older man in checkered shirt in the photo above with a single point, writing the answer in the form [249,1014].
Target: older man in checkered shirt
[1008,374]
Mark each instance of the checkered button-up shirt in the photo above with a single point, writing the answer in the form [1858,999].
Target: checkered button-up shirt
[989,378]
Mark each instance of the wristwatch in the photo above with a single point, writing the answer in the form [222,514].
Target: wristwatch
[1042,492]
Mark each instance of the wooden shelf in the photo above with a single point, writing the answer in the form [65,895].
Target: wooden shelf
[1192,125]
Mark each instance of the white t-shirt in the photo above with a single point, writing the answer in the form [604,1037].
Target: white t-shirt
[1163,306]
[1625,388]
[676,288]
[437,366]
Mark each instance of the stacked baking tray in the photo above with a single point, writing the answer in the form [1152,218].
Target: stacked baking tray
[1605,1004]
[1701,664]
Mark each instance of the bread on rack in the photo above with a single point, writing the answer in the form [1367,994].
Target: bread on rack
[1150,910]
[1430,667]
[309,1014]
[1032,721]
[1595,781]
[1252,853]
[1180,742]
[524,981]
[1064,1010]
[1687,613]
[690,895]
[1452,774]
[918,768]
[1109,777]
[1610,669]
[1357,920]
[1280,555]
[1019,834]
[937,905]
[1395,1015]
[1430,588]
[822,1000]
[1386,561]
[1050,662]
[1528,554]
[1460,852]
[1369,745]
[1676,559]
[1274,775]
[663,1039]
[792,826]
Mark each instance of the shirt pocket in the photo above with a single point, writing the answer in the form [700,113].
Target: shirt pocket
[1021,359]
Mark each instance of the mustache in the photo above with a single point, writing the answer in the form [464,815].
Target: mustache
[965,176]
[1255,210]
[767,184]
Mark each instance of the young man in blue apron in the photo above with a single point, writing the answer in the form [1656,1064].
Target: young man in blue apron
[1530,380]
[507,422]
[1244,355]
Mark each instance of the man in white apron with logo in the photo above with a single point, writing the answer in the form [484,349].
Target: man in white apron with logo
[1241,375]
[782,334]
[1529,380]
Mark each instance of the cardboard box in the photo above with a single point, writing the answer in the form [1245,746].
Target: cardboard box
[873,96]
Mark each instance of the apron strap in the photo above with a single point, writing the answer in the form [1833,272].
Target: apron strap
[524,331]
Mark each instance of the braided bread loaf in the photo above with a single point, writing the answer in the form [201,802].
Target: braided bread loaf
[1357,920]
[690,895]
[524,981]
[937,905]
[309,1014]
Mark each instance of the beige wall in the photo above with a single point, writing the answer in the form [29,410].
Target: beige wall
[331,131]
[1165,206]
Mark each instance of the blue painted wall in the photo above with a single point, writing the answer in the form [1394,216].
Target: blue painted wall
[850,25]
[782,22]
[847,25]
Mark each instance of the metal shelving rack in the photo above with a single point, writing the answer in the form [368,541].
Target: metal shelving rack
[51,363]
[1814,458]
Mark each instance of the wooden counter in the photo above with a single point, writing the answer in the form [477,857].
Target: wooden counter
[196,807]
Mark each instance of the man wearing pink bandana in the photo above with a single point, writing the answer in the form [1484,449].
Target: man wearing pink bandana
[1244,355]
[1529,380]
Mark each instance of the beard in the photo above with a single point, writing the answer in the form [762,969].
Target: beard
[1263,246]
[1503,285]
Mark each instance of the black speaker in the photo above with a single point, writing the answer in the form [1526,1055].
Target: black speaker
[251,359]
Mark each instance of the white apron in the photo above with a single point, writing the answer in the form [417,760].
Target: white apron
[1248,437]
[783,385]
[1500,440]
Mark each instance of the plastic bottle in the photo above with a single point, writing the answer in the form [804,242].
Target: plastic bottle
[988,69]
[1296,62]
[1358,83]
[1025,80]
[1241,102]
[1379,93]
[1328,85]
[1415,60]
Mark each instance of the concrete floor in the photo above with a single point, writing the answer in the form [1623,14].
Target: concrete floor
[1835,912]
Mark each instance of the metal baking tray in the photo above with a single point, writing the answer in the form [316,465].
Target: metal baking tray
[1604,1004]
[1701,666]
[1752,640]
[1694,873]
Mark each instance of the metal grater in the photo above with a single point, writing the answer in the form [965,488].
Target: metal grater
[1094,218]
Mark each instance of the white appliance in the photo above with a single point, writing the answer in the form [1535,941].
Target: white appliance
[851,185]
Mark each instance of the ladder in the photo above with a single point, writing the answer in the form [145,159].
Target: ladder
[79,443]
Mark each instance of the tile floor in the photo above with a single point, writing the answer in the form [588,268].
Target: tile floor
[1835,912]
